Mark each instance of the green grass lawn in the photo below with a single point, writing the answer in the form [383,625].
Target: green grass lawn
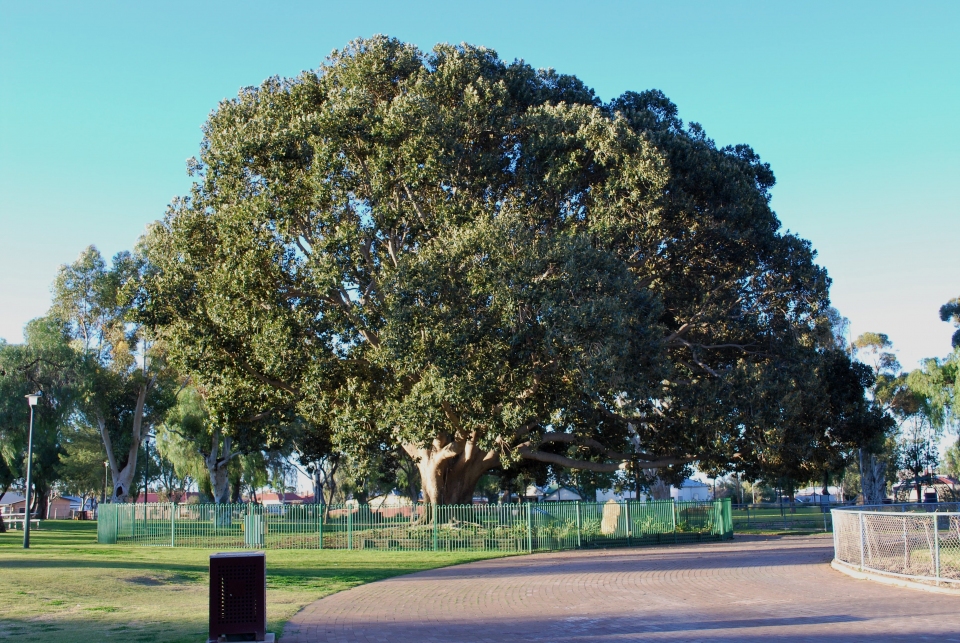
[767,520]
[67,588]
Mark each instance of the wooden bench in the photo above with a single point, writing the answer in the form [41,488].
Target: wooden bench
[12,522]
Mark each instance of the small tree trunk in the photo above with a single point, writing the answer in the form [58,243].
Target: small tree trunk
[659,490]
[317,487]
[873,481]
[217,467]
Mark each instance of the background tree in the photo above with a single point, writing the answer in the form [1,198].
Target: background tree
[478,263]
[126,385]
[917,454]
[174,483]
[951,461]
[950,312]
[43,362]
[80,471]
[876,456]
[189,433]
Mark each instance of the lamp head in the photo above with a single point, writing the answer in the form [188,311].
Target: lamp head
[33,397]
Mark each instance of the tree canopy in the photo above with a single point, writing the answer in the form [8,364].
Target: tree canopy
[124,386]
[483,264]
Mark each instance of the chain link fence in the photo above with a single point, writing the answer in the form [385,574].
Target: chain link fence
[496,527]
[913,541]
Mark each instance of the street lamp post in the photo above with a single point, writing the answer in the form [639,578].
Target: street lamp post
[32,401]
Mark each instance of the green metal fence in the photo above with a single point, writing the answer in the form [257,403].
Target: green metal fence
[500,527]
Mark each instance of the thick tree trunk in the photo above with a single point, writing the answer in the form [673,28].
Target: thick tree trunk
[123,478]
[236,484]
[450,469]
[41,503]
[873,481]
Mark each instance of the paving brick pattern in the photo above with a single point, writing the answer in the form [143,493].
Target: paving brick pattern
[749,589]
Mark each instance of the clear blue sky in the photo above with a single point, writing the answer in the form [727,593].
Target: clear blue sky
[855,104]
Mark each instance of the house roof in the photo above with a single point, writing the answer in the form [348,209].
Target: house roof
[11,498]
[564,493]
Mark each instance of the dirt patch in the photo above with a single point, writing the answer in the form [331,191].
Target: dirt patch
[147,581]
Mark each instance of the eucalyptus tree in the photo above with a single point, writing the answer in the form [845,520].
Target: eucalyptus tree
[479,263]
[126,385]
[875,456]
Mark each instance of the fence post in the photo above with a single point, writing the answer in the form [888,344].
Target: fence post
[579,543]
[321,511]
[530,529]
[435,526]
[673,514]
[906,547]
[350,527]
[862,534]
[629,523]
[936,545]
[173,524]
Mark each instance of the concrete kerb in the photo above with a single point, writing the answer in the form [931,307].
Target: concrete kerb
[853,572]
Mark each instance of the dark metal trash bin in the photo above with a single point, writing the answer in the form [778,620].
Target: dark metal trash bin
[238,597]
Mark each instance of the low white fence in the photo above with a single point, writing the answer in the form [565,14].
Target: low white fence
[913,541]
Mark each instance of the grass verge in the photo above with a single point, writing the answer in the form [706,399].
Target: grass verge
[67,588]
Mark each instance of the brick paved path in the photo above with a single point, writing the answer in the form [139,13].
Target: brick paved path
[750,589]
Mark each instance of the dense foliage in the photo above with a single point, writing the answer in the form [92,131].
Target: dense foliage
[483,264]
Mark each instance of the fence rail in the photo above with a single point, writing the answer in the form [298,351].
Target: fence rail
[913,541]
[501,527]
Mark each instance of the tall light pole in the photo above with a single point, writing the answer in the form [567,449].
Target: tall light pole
[32,401]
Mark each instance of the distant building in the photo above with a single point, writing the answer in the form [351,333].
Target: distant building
[934,488]
[11,503]
[181,498]
[288,498]
[689,490]
[815,494]
[560,494]
[389,501]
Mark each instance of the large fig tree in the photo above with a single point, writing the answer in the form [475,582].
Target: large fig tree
[478,262]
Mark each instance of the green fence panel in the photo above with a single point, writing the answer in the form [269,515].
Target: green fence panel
[540,526]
